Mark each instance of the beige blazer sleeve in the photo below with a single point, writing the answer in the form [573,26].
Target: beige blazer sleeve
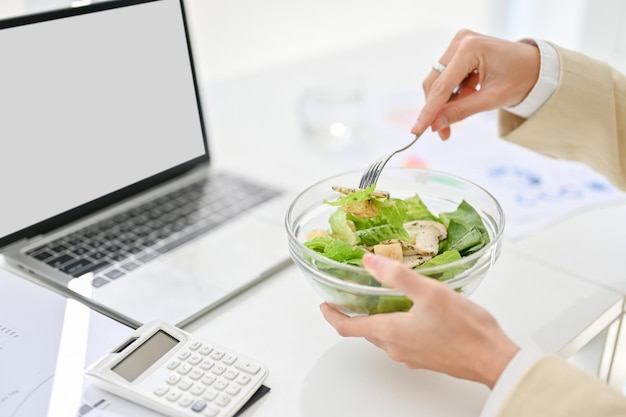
[554,388]
[584,120]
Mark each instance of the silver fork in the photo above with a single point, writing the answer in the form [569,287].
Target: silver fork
[374,170]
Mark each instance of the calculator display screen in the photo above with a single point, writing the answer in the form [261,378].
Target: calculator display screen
[145,355]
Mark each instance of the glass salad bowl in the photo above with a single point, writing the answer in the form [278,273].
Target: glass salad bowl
[344,283]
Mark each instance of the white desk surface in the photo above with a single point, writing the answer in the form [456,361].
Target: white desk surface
[589,245]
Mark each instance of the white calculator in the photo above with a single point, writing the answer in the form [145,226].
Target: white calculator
[176,373]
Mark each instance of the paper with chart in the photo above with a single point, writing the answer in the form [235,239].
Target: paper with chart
[45,342]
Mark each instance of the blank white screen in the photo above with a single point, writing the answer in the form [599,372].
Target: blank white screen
[90,104]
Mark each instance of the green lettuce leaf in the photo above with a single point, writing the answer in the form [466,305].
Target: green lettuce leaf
[391,211]
[336,249]
[442,259]
[360,195]
[466,231]
[417,210]
[340,229]
[377,234]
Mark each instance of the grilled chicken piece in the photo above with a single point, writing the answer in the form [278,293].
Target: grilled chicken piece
[428,234]
[408,249]
[390,250]
[316,233]
[415,260]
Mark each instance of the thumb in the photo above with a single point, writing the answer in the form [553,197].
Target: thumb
[396,275]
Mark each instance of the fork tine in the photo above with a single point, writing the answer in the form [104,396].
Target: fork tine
[372,173]
[363,183]
[377,171]
[366,180]
[371,178]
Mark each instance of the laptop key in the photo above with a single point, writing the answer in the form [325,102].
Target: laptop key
[60,261]
[99,282]
[118,257]
[79,250]
[97,255]
[75,268]
[147,257]
[130,266]
[114,273]
[95,267]
[42,256]
[59,248]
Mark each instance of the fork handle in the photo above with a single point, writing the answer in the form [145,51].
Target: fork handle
[410,144]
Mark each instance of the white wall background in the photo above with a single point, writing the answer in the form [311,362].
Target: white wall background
[237,36]
[594,27]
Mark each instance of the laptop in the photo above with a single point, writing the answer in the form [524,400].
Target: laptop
[109,194]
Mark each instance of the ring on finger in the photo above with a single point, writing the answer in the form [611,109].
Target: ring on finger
[439,67]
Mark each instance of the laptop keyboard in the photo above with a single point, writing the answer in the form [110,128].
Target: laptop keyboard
[111,248]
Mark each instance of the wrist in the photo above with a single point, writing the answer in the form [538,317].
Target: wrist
[493,365]
[546,83]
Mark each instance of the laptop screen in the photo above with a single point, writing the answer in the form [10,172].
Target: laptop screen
[93,100]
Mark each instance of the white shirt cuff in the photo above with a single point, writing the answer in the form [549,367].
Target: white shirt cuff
[546,84]
[511,375]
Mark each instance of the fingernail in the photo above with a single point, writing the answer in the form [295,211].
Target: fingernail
[372,260]
[440,123]
[416,125]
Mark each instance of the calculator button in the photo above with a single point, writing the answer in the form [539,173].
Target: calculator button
[251,368]
[184,355]
[198,406]
[197,390]
[233,390]
[196,374]
[185,384]
[230,375]
[205,350]
[173,379]
[210,395]
[186,401]
[173,365]
[161,390]
[195,359]
[222,399]
[229,359]
[220,385]
[173,395]
[217,354]
[211,412]
[206,364]
[184,369]
[218,369]
[208,380]
[195,345]
[243,379]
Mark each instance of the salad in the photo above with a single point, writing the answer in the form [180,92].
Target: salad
[370,220]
